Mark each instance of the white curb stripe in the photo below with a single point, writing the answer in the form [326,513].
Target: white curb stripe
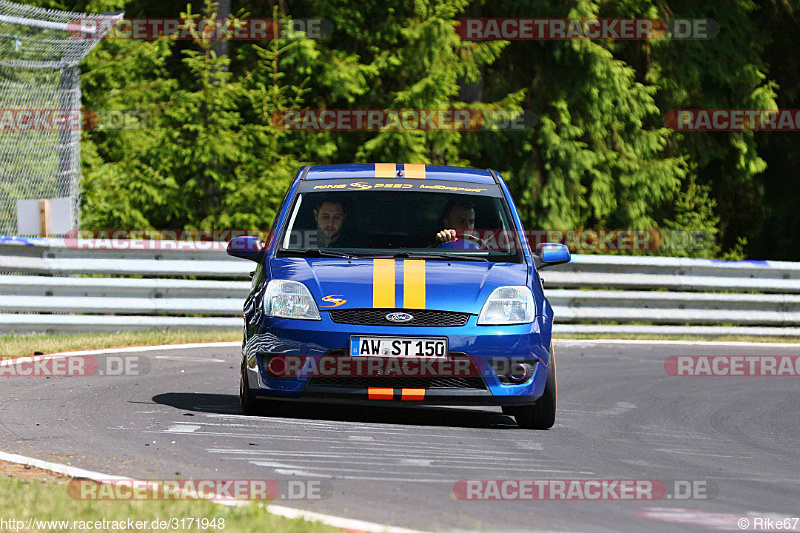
[129,349]
[279,510]
[66,470]
[158,347]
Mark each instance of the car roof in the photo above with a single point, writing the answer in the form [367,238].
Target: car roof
[399,170]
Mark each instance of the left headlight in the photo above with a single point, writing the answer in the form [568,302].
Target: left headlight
[289,299]
[508,305]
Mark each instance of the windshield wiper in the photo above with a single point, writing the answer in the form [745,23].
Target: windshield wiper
[441,255]
[316,252]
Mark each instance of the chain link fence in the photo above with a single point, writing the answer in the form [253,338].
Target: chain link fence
[40,104]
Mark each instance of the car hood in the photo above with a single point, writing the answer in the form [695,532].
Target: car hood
[461,286]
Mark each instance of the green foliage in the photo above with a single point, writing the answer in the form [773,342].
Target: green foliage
[599,157]
[210,156]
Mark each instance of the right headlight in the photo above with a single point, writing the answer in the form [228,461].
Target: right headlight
[508,305]
[289,299]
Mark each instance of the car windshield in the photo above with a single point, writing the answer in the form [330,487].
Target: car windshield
[401,219]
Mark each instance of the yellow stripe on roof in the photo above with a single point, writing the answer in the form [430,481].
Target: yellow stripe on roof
[385,170]
[414,171]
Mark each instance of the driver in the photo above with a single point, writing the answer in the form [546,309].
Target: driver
[329,215]
[458,217]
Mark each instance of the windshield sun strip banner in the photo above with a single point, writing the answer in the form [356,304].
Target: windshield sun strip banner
[401,184]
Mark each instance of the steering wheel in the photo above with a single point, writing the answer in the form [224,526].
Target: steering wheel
[466,241]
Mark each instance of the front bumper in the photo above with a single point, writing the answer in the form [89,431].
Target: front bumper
[483,346]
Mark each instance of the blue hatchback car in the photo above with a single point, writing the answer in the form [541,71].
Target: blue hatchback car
[394,284]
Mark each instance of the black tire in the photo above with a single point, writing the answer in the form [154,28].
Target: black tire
[247,400]
[542,414]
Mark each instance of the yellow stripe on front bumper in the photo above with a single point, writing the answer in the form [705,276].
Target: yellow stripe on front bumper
[385,170]
[383,283]
[377,393]
[412,394]
[414,171]
[414,284]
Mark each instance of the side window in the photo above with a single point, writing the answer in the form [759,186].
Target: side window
[257,276]
[274,227]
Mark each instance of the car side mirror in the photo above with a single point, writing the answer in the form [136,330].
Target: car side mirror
[246,247]
[550,254]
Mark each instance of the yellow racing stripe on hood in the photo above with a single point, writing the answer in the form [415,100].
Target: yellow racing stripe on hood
[414,284]
[383,283]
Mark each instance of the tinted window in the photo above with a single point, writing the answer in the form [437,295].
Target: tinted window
[390,219]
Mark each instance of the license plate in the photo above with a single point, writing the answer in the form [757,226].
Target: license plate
[398,346]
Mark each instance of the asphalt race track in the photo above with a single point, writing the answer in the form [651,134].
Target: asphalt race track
[620,416]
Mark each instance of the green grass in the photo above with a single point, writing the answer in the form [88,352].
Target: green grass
[24,499]
[17,345]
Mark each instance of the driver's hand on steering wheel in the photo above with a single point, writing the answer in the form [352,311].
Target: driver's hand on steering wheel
[446,235]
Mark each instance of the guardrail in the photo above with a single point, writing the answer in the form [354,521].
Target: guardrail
[44,286]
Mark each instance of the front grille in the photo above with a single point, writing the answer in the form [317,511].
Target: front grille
[400,382]
[377,317]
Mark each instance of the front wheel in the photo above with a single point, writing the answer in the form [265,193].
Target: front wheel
[246,397]
[542,414]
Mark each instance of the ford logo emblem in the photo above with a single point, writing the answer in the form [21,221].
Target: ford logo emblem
[399,317]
